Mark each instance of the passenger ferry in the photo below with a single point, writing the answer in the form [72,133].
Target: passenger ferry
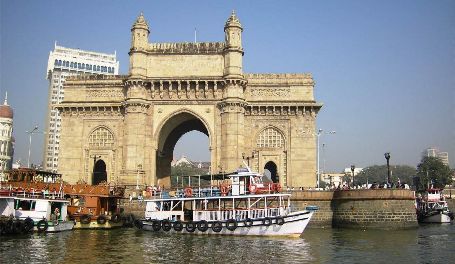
[38,211]
[432,208]
[240,203]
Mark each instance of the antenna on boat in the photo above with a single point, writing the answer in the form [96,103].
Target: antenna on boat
[246,166]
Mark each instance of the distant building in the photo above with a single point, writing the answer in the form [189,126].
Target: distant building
[184,161]
[64,62]
[349,172]
[333,179]
[434,152]
[6,137]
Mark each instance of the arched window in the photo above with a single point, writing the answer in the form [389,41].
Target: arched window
[101,137]
[113,69]
[270,138]
[56,62]
[67,64]
[98,68]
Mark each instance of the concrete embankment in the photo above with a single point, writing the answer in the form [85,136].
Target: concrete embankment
[362,209]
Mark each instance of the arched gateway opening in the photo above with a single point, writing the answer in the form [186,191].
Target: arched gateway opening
[99,172]
[270,170]
[173,129]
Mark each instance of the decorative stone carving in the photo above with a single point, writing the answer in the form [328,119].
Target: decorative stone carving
[271,92]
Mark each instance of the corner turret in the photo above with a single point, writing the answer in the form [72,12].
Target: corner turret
[139,43]
[233,51]
[139,33]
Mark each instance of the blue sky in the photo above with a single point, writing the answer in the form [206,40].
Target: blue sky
[385,70]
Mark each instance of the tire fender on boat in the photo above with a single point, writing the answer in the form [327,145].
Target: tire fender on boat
[42,225]
[116,218]
[138,223]
[178,226]
[101,220]
[279,220]
[202,226]
[267,221]
[190,227]
[217,226]
[85,219]
[166,225]
[156,225]
[28,224]
[231,224]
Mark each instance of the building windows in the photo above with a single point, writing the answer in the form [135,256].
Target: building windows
[101,137]
[270,138]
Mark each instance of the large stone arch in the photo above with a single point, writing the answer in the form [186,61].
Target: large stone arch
[167,134]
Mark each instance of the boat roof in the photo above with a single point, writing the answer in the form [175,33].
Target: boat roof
[39,199]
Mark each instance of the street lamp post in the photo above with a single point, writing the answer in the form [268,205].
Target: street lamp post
[318,134]
[248,157]
[30,133]
[352,170]
[387,157]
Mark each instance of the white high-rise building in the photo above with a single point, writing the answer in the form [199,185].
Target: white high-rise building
[433,152]
[64,62]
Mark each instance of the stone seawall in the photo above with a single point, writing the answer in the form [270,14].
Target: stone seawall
[361,209]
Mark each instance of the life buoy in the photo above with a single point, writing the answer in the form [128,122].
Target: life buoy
[156,225]
[115,218]
[101,220]
[85,219]
[217,226]
[279,220]
[28,225]
[178,226]
[248,222]
[277,187]
[166,225]
[190,227]
[138,223]
[267,221]
[224,190]
[253,188]
[188,192]
[202,226]
[231,224]
[42,225]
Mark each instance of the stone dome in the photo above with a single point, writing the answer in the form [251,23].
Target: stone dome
[6,111]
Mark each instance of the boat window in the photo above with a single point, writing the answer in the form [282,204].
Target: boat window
[25,205]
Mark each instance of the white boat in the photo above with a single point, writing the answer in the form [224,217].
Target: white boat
[48,212]
[432,208]
[236,204]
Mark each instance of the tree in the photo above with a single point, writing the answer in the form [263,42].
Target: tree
[378,174]
[431,170]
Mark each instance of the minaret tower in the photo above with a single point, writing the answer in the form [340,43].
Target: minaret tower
[6,137]
[232,106]
[139,43]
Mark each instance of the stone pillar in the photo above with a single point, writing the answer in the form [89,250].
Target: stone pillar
[232,112]
[135,132]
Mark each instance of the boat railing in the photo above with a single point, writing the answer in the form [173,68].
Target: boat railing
[197,192]
[238,214]
[32,194]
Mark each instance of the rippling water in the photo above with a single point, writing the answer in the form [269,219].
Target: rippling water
[427,244]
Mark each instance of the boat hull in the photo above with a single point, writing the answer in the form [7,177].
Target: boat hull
[436,218]
[293,225]
[96,225]
[54,228]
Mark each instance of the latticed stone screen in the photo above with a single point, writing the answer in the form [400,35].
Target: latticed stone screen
[270,138]
[101,137]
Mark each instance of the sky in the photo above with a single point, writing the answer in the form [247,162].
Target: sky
[384,70]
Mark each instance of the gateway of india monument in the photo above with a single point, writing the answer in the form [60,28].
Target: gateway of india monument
[123,128]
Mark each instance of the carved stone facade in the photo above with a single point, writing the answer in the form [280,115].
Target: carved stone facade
[131,123]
